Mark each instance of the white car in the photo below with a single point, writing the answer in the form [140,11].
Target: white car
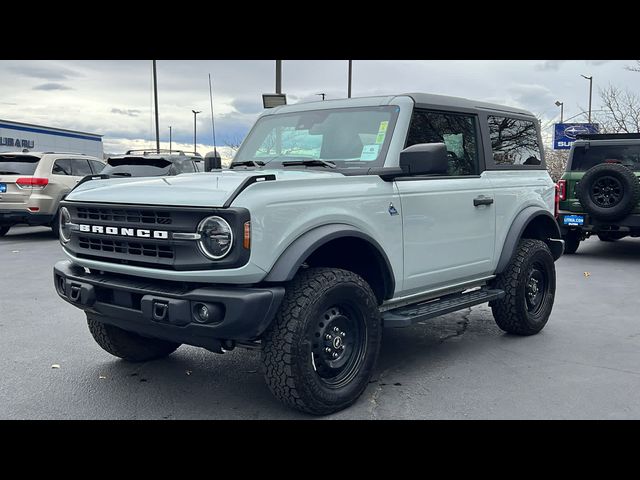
[336,219]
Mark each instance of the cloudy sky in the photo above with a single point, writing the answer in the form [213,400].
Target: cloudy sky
[114,98]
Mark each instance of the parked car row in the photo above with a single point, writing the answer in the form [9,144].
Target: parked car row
[32,184]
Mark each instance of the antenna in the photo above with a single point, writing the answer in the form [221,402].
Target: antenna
[155,94]
[213,124]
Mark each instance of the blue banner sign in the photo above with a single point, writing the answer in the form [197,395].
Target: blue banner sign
[564,134]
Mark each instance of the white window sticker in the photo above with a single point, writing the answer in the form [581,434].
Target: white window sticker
[370,152]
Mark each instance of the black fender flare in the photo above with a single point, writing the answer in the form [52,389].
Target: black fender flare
[299,250]
[552,237]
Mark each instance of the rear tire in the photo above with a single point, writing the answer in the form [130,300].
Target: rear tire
[610,237]
[529,282]
[4,230]
[571,242]
[321,349]
[128,345]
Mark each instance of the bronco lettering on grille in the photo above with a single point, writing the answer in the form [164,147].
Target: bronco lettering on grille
[125,232]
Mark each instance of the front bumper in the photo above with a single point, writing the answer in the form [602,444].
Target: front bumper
[593,225]
[14,217]
[167,310]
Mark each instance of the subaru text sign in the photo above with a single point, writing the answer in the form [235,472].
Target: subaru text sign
[565,134]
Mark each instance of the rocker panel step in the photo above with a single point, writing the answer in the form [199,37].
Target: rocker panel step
[407,316]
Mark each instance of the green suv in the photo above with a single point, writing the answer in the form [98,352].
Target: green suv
[599,193]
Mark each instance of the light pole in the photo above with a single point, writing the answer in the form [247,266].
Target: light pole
[321,95]
[278,76]
[169,138]
[194,129]
[561,105]
[350,72]
[590,92]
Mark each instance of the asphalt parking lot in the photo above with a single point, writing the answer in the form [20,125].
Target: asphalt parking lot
[584,365]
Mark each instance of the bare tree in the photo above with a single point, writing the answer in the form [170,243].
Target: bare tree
[556,162]
[620,111]
[233,142]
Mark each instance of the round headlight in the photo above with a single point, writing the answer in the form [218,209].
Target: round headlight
[216,237]
[65,224]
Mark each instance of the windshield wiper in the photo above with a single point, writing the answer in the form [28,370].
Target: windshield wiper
[121,174]
[310,163]
[248,163]
[6,172]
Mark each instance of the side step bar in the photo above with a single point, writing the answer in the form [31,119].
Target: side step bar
[407,316]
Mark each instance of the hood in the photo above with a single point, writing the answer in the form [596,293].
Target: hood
[211,189]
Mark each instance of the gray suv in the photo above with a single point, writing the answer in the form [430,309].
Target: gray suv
[33,183]
[153,163]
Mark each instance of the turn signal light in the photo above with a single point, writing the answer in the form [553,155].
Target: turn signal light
[246,238]
[34,183]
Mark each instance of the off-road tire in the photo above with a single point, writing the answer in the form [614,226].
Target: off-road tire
[511,312]
[55,227]
[610,237]
[128,345]
[289,342]
[619,174]
[4,230]
[571,242]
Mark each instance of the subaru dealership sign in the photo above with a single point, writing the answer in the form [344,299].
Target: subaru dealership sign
[565,134]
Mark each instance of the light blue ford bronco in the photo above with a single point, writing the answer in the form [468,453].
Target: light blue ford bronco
[335,219]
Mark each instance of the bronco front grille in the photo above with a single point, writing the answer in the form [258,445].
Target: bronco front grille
[119,215]
[127,247]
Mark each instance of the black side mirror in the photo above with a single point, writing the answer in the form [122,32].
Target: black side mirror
[425,159]
[212,161]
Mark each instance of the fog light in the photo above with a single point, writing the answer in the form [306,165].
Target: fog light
[202,313]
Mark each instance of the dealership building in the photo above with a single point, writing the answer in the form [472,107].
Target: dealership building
[15,137]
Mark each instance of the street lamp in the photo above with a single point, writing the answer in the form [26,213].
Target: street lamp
[561,105]
[169,138]
[590,92]
[194,129]
[321,95]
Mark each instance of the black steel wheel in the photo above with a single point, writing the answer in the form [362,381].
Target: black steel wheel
[321,349]
[529,283]
[608,191]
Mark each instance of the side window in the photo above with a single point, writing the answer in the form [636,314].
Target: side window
[62,166]
[96,166]
[456,131]
[187,166]
[80,168]
[514,141]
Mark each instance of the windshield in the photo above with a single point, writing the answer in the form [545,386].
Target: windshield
[137,167]
[18,164]
[348,137]
[585,158]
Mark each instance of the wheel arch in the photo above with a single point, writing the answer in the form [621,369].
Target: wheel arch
[327,246]
[532,222]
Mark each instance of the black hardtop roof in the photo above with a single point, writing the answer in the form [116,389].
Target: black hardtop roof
[432,100]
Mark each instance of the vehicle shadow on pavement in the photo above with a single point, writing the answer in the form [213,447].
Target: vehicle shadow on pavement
[192,383]
[627,249]
[28,234]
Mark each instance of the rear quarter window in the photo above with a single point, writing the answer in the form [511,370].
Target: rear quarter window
[514,142]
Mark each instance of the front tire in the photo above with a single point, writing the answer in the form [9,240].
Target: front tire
[529,282]
[321,349]
[128,345]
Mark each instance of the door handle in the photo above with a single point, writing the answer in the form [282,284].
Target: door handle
[482,200]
